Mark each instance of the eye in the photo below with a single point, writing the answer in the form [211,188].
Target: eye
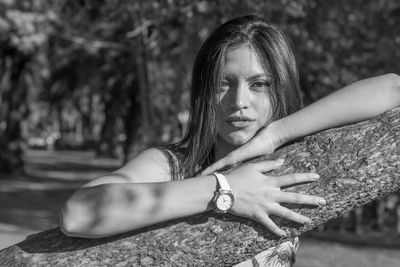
[225,85]
[261,85]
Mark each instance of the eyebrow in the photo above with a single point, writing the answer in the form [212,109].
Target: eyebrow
[256,76]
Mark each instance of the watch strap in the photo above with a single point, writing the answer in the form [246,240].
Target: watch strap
[222,181]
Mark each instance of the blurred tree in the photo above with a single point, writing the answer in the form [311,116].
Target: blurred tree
[136,57]
[23,31]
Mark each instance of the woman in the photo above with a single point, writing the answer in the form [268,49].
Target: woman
[245,102]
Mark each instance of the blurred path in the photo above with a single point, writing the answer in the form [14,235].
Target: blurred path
[317,253]
[30,203]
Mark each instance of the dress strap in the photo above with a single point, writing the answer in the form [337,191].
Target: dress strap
[174,164]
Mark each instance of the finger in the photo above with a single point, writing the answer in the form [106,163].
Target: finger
[265,220]
[295,178]
[296,198]
[226,161]
[289,214]
[268,165]
[251,149]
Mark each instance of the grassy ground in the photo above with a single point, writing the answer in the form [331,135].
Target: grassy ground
[30,203]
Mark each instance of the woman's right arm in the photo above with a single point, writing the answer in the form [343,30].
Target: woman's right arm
[125,200]
[137,195]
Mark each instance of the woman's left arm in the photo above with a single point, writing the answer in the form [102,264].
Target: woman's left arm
[353,103]
[356,102]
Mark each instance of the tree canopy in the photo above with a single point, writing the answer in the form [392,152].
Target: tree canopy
[115,74]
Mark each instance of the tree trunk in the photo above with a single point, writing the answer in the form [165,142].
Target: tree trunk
[13,109]
[109,131]
[138,122]
[133,124]
[357,163]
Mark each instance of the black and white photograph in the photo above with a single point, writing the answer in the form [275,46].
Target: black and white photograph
[200,133]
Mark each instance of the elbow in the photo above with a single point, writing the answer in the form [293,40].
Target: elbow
[81,214]
[66,225]
[71,224]
[78,225]
[95,212]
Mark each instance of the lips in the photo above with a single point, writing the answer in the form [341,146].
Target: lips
[239,121]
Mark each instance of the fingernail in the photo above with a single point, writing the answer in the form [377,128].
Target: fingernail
[280,161]
[315,176]
[322,201]
[307,220]
[282,233]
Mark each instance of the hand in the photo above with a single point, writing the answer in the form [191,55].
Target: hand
[257,195]
[265,142]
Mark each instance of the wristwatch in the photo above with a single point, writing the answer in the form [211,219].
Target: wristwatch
[223,198]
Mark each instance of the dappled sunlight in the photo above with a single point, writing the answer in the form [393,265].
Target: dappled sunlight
[31,203]
[92,211]
[85,87]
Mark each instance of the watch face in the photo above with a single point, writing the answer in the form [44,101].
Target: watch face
[224,202]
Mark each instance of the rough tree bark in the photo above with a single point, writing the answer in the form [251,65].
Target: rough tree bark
[357,163]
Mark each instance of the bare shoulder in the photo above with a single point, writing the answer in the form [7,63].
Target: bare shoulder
[149,166]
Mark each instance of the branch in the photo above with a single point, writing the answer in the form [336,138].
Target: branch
[357,163]
[90,44]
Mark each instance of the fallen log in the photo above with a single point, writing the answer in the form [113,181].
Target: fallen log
[357,164]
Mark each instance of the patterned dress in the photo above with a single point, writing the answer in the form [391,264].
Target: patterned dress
[282,255]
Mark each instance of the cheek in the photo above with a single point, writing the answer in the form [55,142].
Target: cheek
[264,111]
[222,102]
[220,118]
[222,106]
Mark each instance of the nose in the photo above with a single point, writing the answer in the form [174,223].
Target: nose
[240,97]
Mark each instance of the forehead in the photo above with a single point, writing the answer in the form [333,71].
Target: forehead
[242,61]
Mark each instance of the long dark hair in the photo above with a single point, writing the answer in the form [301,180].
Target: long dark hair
[273,48]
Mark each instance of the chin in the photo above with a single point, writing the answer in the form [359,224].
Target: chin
[237,139]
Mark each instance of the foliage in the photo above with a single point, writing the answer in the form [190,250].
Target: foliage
[125,66]
[90,55]
[115,74]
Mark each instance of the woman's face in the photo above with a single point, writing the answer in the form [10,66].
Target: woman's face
[244,105]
